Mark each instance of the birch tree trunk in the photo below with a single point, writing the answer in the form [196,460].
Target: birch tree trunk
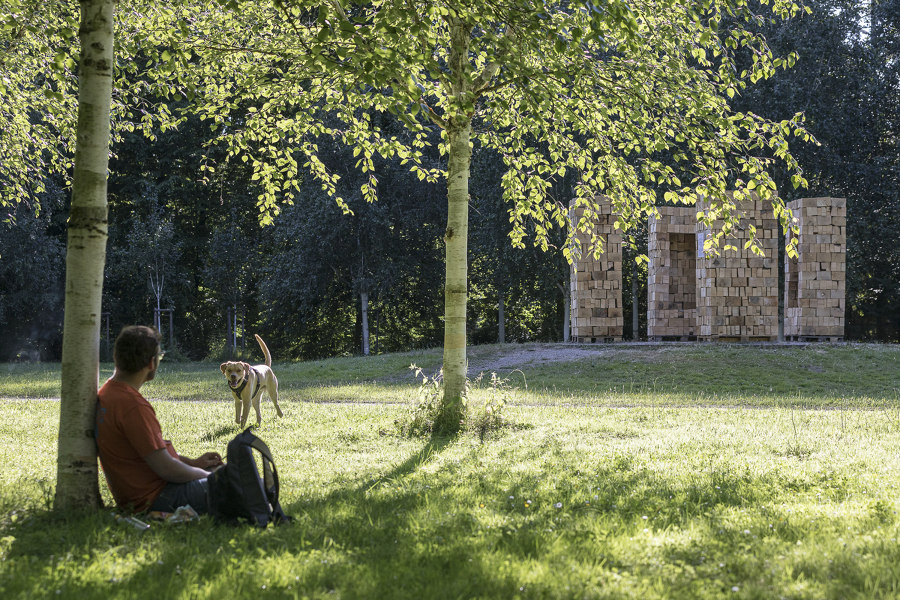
[501,321]
[635,316]
[567,307]
[76,480]
[364,301]
[459,129]
[456,281]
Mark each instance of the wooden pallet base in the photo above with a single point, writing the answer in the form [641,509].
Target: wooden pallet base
[738,339]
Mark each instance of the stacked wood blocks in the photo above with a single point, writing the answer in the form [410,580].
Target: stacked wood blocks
[815,281]
[738,290]
[730,297]
[596,284]
[672,274]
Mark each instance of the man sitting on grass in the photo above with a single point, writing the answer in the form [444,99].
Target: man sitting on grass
[142,469]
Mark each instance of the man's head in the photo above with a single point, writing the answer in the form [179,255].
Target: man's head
[137,347]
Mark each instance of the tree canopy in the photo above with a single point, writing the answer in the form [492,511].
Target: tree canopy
[633,98]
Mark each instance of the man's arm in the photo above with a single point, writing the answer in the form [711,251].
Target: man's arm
[171,469]
[208,461]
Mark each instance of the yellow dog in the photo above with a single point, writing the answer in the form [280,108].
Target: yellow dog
[247,384]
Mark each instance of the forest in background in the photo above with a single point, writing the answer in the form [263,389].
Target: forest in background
[184,241]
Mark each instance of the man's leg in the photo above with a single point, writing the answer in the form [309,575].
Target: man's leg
[179,494]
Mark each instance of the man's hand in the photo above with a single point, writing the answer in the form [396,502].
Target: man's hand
[208,461]
[172,469]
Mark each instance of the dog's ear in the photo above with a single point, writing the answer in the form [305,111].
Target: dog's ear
[245,367]
[222,366]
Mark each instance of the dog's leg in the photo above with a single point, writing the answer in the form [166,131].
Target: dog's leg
[245,412]
[237,410]
[272,386]
[256,407]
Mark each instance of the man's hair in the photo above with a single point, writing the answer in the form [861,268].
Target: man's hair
[135,347]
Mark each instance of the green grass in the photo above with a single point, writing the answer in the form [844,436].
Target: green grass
[204,380]
[604,486]
[821,374]
[815,374]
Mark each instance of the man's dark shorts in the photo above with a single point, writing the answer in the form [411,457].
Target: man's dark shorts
[178,494]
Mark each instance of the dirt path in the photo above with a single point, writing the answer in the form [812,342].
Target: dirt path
[514,356]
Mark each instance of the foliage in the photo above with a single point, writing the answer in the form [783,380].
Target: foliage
[214,224]
[320,260]
[615,94]
[657,81]
[528,280]
[32,265]
[144,256]
[39,53]
[38,102]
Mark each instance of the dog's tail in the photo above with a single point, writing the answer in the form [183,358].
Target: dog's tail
[265,350]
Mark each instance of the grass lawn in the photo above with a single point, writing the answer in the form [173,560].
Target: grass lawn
[695,471]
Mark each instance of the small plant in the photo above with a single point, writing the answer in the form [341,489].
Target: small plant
[420,420]
[481,418]
[490,414]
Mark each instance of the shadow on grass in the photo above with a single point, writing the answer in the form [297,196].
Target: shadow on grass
[520,525]
[222,432]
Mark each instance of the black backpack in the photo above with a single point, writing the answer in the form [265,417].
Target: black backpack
[236,491]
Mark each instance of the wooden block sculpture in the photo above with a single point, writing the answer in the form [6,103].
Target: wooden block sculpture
[672,275]
[815,292]
[596,284]
[732,297]
[737,293]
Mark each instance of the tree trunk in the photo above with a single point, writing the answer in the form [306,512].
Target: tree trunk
[158,317]
[567,308]
[635,303]
[364,301]
[156,286]
[501,321]
[456,282]
[459,129]
[76,479]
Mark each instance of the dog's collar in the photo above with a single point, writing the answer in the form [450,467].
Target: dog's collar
[237,390]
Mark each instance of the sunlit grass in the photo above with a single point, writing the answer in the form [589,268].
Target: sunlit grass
[595,490]
[572,502]
[815,374]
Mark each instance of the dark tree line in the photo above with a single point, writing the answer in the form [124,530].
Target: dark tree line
[847,81]
[192,242]
[185,239]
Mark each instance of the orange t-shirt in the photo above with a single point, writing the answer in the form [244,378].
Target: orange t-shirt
[127,431]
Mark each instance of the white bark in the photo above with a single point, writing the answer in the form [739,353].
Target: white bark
[501,321]
[364,300]
[76,484]
[456,277]
[459,129]
[635,327]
